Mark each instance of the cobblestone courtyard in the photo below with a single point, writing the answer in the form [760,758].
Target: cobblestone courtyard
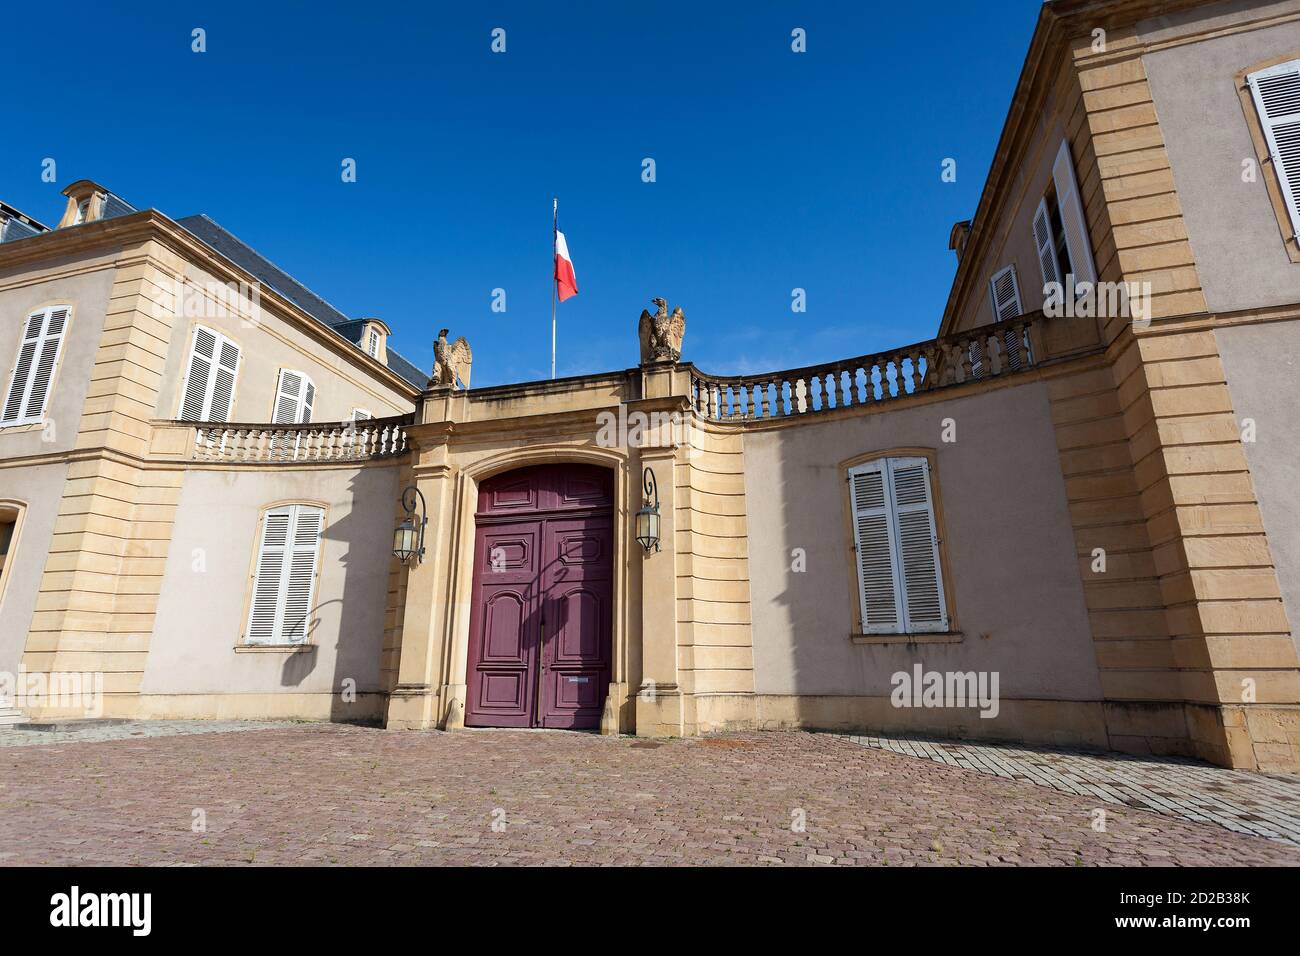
[276,794]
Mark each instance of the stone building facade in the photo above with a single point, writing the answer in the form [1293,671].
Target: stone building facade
[1078,495]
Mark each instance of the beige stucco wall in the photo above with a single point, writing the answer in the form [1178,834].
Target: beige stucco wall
[342,381]
[84,283]
[40,490]
[1014,581]
[1262,362]
[1240,253]
[201,615]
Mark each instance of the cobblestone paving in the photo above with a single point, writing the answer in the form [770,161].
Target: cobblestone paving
[17,735]
[320,793]
[1263,804]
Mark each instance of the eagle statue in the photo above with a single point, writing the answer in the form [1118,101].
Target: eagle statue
[661,334]
[451,362]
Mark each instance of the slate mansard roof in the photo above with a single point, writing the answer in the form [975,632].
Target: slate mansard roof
[15,225]
[221,240]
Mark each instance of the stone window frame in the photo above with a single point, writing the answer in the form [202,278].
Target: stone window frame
[1255,127]
[308,643]
[19,508]
[954,634]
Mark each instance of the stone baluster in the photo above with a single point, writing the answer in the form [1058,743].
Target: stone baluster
[964,369]
[993,355]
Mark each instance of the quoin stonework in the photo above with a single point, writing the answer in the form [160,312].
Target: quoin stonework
[203,463]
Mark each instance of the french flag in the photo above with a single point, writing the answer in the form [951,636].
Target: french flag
[566,284]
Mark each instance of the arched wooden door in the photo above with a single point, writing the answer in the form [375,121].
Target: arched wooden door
[542,620]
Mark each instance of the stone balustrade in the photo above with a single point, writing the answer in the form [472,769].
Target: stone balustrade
[987,352]
[314,442]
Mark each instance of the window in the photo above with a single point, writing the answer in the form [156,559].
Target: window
[83,211]
[284,582]
[33,369]
[1050,241]
[8,532]
[209,389]
[1005,292]
[1276,94]
[900,580]
[294,395]
[1061,230]
[361,415]
[372,343]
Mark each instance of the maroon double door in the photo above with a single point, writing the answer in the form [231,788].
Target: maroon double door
[541,625]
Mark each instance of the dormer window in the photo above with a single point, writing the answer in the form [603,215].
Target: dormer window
[374,339]
[86,202]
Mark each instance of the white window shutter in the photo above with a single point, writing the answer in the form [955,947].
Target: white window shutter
[194,393]
[878,585]
[223,384]
[300,576]
[1070,205]
[1014,350]
[918,546]
[284,582]
[264,607]
[1004,291]
[1045,246]
[294,395]
[208,393]
[1276,92]
[34,367]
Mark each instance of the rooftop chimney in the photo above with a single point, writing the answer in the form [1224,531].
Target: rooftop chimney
[958,236]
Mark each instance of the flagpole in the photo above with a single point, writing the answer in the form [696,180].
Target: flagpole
[555,230]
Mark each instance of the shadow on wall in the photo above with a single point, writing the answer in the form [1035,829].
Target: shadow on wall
[365,532]
[1011,581]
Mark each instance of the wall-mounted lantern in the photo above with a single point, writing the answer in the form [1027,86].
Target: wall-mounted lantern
[408,539]
[647,519]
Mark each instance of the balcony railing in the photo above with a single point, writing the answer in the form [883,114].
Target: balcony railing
[315,442]
[983,353]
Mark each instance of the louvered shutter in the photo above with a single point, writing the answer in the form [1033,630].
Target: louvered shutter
[1014,351]
[33,371]
[1072,218]
[194,394]
[284,582]
[300,577]
[917,546]
[294,396]
[208,393]
[223,384]
[878,585]
[265,604]
[1004,291]
[1277,99]
[1045,246]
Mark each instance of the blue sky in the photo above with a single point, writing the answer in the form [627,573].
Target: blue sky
[774,170]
